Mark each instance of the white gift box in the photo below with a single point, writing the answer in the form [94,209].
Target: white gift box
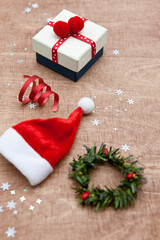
[73,54]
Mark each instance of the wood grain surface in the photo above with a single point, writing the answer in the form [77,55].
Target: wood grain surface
[134,30]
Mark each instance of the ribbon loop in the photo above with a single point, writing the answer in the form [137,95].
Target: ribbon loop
[36,94]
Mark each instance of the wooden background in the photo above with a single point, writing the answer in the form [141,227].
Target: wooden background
[133,30]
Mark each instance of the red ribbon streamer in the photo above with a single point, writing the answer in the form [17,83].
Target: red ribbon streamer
[76,35]
[36,94]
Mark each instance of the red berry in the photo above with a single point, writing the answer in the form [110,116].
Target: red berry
[130,175]
[106,151]
[61,28]
[85,196]
[76,24]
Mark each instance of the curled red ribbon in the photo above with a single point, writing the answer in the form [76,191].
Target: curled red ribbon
[36,94]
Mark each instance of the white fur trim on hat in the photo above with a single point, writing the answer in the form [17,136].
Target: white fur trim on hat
[14,148]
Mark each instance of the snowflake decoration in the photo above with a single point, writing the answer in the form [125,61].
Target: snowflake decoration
[125,147]
[12,192]
[38,201]
[119,92]
[49,19]
[1,209]
[130,101]
[10,232]
[116,52]
[31,207]
[11,205]
[96,122]
[35,5]
[22,198]
[32,105]
[15,212]
[5,186]
[27,10]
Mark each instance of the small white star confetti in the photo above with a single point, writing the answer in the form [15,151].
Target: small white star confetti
[1,209]
[49,19]
[130,101]
[106,108]
[96,122]
[119,92]
[125,110]
[109,90]
[5,186]
[27,10]
[39,201]
[15,212]
[115,129]
[116,52]
[10,232]
[9,84]
[31,208]
[11,205]
[35,5]
[13,192]
[32,105]
[22,198]
[125,147]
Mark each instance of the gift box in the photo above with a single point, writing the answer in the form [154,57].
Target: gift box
[71,55]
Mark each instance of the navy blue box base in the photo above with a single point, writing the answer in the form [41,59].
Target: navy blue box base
[75,76]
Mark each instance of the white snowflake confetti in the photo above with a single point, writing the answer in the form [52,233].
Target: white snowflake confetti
[22,198]
[35,5]
[115,129]
[106,108]
[119,92]
[9,84]
[10,232]
[15,212]
[130,101]
[96,122]
[110,106]
[125,110]
[1,209]
[32,105]
[125,147]
[116,52]
[11,205]
[31,208]
[13,192]
[5,186]
[39,201]
[49,19]
[27,10]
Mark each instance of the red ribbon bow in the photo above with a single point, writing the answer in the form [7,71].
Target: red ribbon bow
[65,30]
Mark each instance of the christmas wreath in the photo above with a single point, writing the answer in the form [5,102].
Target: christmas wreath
[120,197]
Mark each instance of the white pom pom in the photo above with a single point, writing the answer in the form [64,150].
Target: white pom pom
[86,104]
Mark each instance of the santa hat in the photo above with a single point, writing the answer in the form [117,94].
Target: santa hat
[36,146]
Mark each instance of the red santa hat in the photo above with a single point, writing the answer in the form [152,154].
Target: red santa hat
[36,146]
